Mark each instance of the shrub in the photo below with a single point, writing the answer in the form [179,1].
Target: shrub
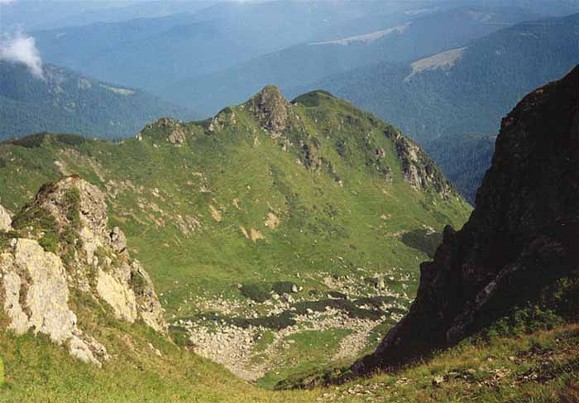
[256,291]
[283,287]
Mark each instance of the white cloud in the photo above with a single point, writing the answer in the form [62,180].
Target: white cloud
[21,48]
[6,1]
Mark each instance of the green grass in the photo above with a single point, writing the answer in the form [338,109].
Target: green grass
[236,206]
[308,350]
[37,370]
[319,219]
[538,367]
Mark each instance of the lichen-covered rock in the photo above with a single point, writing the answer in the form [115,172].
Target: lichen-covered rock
[120,297]
[520,243]
[88,256]
[5,220]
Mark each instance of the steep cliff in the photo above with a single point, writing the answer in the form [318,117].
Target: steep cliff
[60,245]
[519,246]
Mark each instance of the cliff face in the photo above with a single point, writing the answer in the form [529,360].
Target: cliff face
[521,238]
[60,245]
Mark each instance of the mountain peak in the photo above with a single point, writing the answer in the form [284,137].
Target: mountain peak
[271,108]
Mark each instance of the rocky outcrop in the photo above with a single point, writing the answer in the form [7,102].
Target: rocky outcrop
[518,243]
[69,217]
[36,298]
[173,131]
[5,220]
[418,169]
[271,109]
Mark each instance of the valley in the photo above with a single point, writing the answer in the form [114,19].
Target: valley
[272,228]
[289,201]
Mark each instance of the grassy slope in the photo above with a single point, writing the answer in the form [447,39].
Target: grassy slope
[540,367]
[234,177]
[324,227]
[37,370]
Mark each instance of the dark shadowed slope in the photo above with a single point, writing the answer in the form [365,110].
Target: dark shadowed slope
[519,248]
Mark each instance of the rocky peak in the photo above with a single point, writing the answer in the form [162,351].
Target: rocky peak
[271,109]
[519,242]
[63,242]
[174,131]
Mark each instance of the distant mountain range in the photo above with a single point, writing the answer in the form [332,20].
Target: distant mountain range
[67,102]
[445,99]
[151,53]
[222,54]
[466,89]
[406,38]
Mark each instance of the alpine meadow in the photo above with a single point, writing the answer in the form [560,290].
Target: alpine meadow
[289,201]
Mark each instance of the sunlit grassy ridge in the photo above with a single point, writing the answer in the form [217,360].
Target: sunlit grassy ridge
[186,207]
[224,212]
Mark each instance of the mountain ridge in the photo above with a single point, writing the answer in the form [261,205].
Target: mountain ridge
[268,215]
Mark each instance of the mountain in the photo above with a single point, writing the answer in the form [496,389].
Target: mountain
[281,235]
[64,101]
[398,38]
[464,159]
[151,53]
[514,263]
[464,90]
[438,99]
[272,231]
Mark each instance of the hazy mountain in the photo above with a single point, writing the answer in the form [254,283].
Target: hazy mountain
[49,14]
[465,90]
[403,37]
[67,102]
[151,53]
[464,159]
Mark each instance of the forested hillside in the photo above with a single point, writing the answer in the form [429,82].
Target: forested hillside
[67,102]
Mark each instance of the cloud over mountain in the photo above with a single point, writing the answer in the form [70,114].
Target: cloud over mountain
[21,48]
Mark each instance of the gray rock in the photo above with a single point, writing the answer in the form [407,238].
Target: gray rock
[37,283]
[5,220]
[36,291]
